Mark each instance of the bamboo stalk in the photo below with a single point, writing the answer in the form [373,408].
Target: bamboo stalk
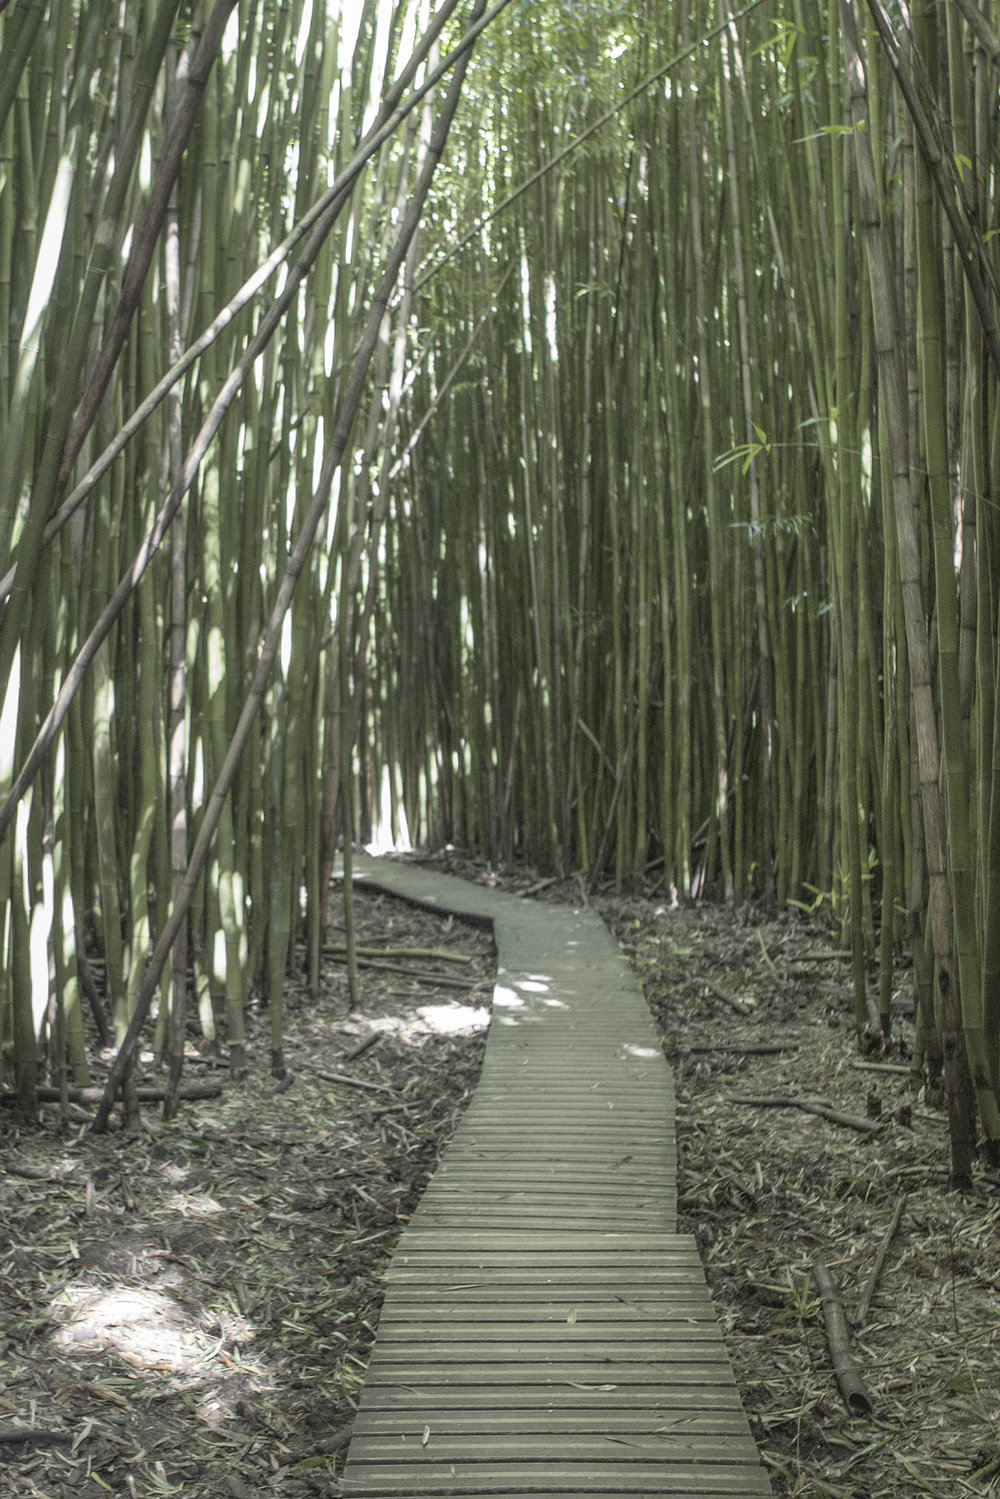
[860,1314]
[269,644]
[856,1397]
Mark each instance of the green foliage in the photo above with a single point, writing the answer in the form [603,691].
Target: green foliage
[612,575]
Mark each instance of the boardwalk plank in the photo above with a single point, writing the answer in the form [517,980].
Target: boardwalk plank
[402,1423]
[690,1480]
[441,1318]
[545,1330]
[431,1370]
[545,1447]
[482,1401]
[600,1336]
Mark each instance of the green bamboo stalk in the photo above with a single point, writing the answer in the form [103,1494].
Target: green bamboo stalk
[894,405]
[713,502]
[296,561]
[176,723]
[765,663]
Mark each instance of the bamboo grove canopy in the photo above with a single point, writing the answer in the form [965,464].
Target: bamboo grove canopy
[571,435]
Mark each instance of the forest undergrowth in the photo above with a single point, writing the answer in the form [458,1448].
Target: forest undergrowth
[189,1310]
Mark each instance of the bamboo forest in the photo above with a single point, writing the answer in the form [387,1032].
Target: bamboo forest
[554,447]
[570,436]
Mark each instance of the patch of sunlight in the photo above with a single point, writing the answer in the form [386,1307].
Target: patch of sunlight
[507,999]
[446,1019]
[8,719]
[532,985]
[148,1329]
[173,1172]
[302,40]
[197,1205]
[383,24]
[38,946]
[551,334]
[454,1019]
[286,644]
[231,36]
[47,258]
[386,840]
[525,304]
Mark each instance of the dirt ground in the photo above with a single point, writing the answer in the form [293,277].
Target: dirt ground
[189,1310]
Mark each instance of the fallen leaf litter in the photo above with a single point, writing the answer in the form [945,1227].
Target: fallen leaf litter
[192,1308]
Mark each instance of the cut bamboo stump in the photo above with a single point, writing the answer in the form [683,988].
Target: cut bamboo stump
[545,1328]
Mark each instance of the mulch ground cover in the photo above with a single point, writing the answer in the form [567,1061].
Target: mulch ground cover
[189,1309]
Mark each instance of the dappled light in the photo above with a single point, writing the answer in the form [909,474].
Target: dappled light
[506,998]
[550,444]
[161,1333]
[523,999]
[435,1020]
[195,1206]
[193,1305]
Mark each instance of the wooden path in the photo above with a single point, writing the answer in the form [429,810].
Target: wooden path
[545,1329]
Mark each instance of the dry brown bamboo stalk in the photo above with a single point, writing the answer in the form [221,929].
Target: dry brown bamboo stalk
[94,1095]
[864,1301]
[811,1106]
[435,953]
[856,1397]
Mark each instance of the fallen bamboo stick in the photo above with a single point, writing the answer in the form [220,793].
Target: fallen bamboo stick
[771,1049]
[809,1106]
[353,1082]
[362,1046]
[856,1397]
[94,1095]
[10,1435]
[443,953]
[732,1000]
[864,1301]
[422,975]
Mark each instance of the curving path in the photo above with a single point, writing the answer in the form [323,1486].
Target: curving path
[545,1328]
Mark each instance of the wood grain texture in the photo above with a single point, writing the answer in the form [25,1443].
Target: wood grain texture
[545,1329]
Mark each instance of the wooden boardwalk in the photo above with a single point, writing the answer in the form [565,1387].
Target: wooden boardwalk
[545,1329]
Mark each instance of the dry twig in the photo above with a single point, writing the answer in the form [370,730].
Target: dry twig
[864,1301]
[9,1435]
[444,954]
[812,1106]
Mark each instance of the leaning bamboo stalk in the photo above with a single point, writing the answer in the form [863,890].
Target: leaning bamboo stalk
[973,257]
[146,237]
[432,954]
[193,1091]
[269,643]
[19,37]
[395,110]
[336,198]
[65,438]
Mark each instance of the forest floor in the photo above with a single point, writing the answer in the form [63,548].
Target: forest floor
[189,1309]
